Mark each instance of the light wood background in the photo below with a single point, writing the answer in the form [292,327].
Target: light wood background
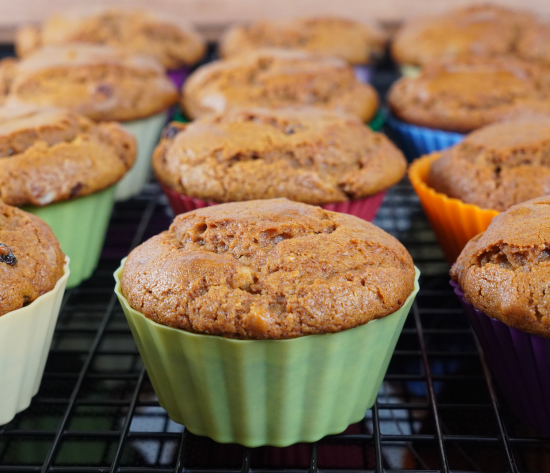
[212,16]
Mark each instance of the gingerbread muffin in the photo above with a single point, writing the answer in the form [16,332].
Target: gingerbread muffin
[355,42]
[278,78]
[467,94]
[170,40]
[473,30]
[31,261]
[100,82]
[49,154]
[497,166]
[268,269]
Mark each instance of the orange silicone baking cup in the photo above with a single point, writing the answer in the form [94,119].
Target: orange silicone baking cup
[453,221]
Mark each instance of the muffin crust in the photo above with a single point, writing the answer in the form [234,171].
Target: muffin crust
[268,269]
[505,270]
[31,261]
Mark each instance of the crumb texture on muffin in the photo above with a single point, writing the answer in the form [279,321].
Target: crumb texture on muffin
[278,78]
[505,271]
[306,155]
[50,154]
[268,269]
[497,166]
[347,39]
[31,261]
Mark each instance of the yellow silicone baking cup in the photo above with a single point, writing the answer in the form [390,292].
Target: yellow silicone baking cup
[453,221]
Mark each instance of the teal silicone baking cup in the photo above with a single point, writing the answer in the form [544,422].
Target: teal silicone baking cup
[80,226]
[266,392]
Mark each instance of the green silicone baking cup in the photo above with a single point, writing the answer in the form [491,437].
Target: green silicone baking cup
[80,226]
[266,392]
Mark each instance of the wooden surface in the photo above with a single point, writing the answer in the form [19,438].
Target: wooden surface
[212,16]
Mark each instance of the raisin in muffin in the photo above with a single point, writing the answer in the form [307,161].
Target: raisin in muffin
[278,78]
[268,269]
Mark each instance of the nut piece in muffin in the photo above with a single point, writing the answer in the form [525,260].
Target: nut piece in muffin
[170,40]
[505,270]
[472,92]
[355,42]
[278,78]
[303,154]
[268,269]
[497,166]
[50,154]
[472,30]
[100,82]
[31,261]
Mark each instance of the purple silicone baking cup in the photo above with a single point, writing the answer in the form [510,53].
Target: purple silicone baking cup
[520,363]
[416,141]
[178,76]
[363,72]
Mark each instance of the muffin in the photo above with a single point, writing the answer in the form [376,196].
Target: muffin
[275,78]
[447,99]
[308,155]
[102,83]
[534,44]
[269,294]
[462,188]
[502,278]
[33,275]
[64,167]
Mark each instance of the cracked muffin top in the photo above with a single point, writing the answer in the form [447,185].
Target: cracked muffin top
[31,261]
[505,270]
[355,42]
[100,82]
[472,30]
[307,155]
[49,154]
[268,269]
[469,93]
[170,40]
[275,78]
[497,166]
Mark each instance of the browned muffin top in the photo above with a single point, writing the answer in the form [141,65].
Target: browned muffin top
[307,155]
[268,269]
[100,82]
[497,166]
[170,40]
[505,270]
[535,43]
[49,154]
[31,260]
[347,39]
[472,30]
[471,92]
[278,78]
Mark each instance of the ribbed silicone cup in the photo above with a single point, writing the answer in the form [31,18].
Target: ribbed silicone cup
[363,72]
[25,338]
[266,392]
[416,141]
[454,222]
[520,363]
[178,76]
[80,226]
[364,208]
[147,133]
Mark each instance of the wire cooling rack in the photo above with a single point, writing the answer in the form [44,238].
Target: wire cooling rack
[437,410]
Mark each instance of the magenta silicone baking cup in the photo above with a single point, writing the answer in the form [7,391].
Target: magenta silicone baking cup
[520,363]
[363,208]
[178,76]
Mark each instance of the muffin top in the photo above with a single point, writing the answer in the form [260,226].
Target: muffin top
[347,39]
[268,269]
[535,43]
[278,78]
[49,154]
[100,82]
[307,155]
[172,41]
[470,93]
[31,260]
[473,30]
[505,270]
